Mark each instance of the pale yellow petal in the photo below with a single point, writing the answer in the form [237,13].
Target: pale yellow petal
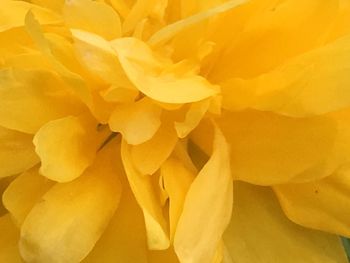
[177,180]
[30,98]
[92,16]
[137,122]
[9,241]
[158,78]
[146,196]
[16,152]
[12,14]
[207,208]
[259,232]
[149,156]
[24,192]
[71,217]
[321,204]
[67,147]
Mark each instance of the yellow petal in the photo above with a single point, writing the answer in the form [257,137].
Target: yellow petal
[30,98]
[159,79]
[272,149]
[16,152]
[177,180]
[320,204]
[259,232]
[9,241]
[119,94]
[13,12]
[193,116]
[149,156]
[163,256]
[207,208]
[146,196]
[137,122]
[124,240]
[55,5]
[291,89]
[67,147]
[95,17]
[24,192]
[72,216]
[4,183]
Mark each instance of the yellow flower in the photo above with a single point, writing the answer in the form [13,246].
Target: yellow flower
[174,131]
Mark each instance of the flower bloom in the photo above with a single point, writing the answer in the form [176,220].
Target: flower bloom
[174,131]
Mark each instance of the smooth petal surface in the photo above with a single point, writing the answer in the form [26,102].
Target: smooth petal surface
[146,195]
[72,216]
[24,192]
[260,232]
[16,151]
[207,208]
[320,204]
[159,79]
[9,241]
[30,98]
[137,122]
[84,14]
[67,147]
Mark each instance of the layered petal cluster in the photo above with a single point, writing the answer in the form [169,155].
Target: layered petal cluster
[180,131]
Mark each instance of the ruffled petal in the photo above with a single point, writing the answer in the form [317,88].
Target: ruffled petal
[207,208]
[259,232]
[72,216]
[16,151]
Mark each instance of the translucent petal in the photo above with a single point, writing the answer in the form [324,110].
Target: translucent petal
[137,122]
[24,192]
[157,78]
[30,98]
[259,232]
[16,152]
[67,147]
[146,196]
[71,217]
[9,241]
[321,204]
[207,208]
[95,17]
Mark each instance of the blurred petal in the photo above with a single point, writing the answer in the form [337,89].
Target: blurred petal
[137,122]
[319,204]
[71,217]
[84,14]
[163,256]
[67,147]
[30,98]
[259,232]
[9,241]
[24,192]
[207,208]
[146,195]
[16,151]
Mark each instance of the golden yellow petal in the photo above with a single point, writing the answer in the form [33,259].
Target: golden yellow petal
[162,256]
[177,180]
[321,204]
[16,152]
[92,16]
[30,98]
[67,146]
[9,241]
[55,5]
[158,78]
[259,232]
[207,208]
[24,192]
[146,195]
[137,122]
[71,217]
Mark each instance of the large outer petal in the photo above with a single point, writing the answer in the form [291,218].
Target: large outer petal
[259,232]
[322,204]
[16,152]
[72,216]
[207,208]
